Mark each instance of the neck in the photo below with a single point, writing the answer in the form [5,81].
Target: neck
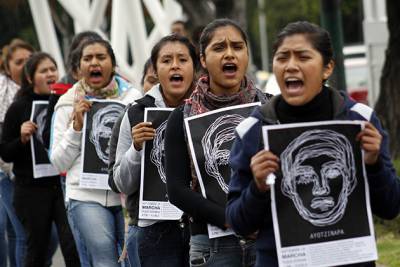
[221,91]
[318,109]
[172,100]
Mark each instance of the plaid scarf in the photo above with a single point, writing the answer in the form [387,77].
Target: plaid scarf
[107,92]
[203,100]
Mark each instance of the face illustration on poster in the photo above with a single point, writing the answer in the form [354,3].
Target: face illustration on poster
[157,153]
[318,175]
[215,154]
[102,123]
[40,122]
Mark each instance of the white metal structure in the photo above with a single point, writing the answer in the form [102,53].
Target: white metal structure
[128,29]
[376,36]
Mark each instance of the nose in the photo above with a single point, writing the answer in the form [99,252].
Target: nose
[94,61]
[229,52]
[291,64]
[321,187]
[175,63]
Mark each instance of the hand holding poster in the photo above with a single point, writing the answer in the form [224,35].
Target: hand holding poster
[211,136]
[40,160]
[321,188]
[97,128]
[153,203]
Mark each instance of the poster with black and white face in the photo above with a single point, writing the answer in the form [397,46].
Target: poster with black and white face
[321,188]
[211,136]
[153,201]
[40,160]
[97,129]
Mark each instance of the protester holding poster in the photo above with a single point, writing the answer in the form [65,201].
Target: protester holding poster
[175,63]
[302,63]
[96,213]
[224,55]
[38,202]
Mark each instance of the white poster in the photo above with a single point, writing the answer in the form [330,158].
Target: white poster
[153,201]
[40,161]
[322,190]
[97,129]
[211,136]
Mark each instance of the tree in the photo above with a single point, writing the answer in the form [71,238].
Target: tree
[387,106]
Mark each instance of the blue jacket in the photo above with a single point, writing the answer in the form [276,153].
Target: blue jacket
[249,210]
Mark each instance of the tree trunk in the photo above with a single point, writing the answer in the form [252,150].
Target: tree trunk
[388,104]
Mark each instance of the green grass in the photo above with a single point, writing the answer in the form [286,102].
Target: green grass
[388,242]
[388,236]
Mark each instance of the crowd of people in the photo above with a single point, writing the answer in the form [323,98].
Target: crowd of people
[37,214]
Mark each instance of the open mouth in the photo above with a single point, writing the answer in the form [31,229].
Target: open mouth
[50,82]
[95,74]
[229,68]
[293,83]
[176,78]
[322,203]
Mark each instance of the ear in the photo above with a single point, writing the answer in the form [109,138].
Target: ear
[328,69]
[203,61]
[29,80]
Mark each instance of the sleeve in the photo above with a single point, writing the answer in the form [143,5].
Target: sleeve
[11,145]
[127,161]
[177,168]
[49,116]
[112,154]
[65,143]
[384,185]
[247,207]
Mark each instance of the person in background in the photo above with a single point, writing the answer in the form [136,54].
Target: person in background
[174,61]
[97,213]
[179,27]
[57,90]
[37,202]
[302,63]
[224,55]
[13,58]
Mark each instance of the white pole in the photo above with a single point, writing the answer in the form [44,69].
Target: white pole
[45,31]
[263,35]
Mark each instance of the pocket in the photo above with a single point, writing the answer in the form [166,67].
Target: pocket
[200,255]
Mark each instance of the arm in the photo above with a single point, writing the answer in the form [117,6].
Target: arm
[247,206]
[11,144]
[177,167]
[384,185]
[65,143]
[112,154]
[127,161]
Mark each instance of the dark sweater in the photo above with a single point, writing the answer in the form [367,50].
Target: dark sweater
[13,150]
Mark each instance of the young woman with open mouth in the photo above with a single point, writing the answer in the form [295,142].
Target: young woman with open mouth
[302,63]
[96,213]
[224,56]
[159,243]
[38,202]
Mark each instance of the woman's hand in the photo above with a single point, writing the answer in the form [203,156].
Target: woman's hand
[27,129]
[141,132]
[262,164]
[371,140]
[79,110]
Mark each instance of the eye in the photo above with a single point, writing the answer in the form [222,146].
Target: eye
[238,47]
[332,173]
[218,48]
[165,60]
[305,175]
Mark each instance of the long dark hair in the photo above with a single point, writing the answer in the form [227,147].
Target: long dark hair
[319,38]
[209,30]
[172,38]
[28,74]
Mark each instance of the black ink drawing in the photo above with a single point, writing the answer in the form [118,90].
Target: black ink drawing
[157,153]
[101,129]
[221,131]
[337,163]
